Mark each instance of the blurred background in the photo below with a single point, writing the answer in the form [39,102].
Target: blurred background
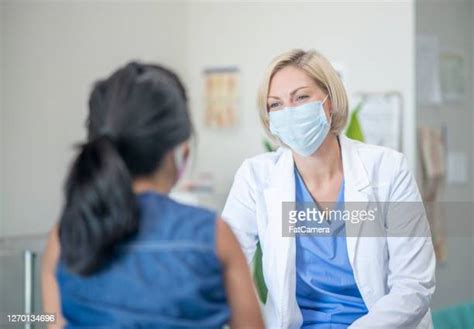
[407,66]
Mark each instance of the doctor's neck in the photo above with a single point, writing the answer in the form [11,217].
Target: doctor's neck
[324,164]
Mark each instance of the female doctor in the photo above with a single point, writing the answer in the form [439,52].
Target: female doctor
[328,282]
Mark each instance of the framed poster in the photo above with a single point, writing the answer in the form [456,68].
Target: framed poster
[221,96]
[381,118]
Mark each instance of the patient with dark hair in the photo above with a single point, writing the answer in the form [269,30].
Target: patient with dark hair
[124,254]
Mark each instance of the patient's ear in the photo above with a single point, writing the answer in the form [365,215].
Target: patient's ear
[186,150]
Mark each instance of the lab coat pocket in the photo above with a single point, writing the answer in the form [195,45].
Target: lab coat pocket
[371,277]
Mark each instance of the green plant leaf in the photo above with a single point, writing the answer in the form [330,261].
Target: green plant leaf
[354,130]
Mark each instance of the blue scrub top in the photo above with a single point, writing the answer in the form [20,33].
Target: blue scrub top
[326,291]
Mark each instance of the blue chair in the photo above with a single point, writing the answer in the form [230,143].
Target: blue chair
[455,317]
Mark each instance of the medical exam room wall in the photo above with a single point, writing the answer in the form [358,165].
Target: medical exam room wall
[452,23]
[1,119]
[54,50]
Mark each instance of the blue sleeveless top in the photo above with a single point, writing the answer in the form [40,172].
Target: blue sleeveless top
[167,276]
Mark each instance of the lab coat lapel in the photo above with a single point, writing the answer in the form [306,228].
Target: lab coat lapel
[280,250]
[280,188]
[357,192]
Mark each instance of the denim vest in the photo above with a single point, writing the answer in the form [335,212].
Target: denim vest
[167,276]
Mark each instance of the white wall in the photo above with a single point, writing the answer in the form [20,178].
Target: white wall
[52,53]
[1,118]
[452,22]
[54,50]
[373,40]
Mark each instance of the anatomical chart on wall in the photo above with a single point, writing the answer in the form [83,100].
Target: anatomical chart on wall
[221,96]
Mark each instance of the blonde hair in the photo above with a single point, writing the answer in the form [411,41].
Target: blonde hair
[325,76]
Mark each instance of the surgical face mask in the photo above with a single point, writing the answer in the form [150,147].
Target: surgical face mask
[303,128]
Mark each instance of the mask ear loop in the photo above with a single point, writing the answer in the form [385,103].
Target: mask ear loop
[180,160]
[324,100]
[330,115]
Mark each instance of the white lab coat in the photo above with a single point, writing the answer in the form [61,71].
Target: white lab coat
[395,275]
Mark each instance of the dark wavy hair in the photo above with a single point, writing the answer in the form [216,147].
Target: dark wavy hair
[136,116]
